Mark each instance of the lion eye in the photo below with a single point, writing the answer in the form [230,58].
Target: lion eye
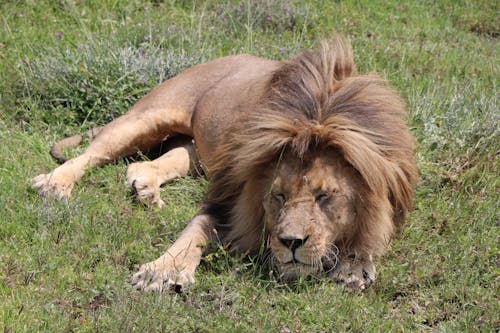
[280,197]
[321,197]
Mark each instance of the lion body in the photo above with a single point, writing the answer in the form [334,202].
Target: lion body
[305,156]
[229,101]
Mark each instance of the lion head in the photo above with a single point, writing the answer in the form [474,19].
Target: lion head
[324,170]
[311,205]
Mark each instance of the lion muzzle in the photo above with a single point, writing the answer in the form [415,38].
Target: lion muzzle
[293,243]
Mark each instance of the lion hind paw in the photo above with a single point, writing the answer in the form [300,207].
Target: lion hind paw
[144,184]
[147,194]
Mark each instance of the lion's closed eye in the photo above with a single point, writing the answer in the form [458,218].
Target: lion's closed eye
[322,197]
[279,197]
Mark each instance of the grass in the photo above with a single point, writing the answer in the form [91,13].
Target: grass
[68,66]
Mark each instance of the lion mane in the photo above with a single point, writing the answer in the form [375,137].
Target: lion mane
[317,101]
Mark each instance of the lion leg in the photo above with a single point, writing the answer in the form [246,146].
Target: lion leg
[123,136]
[145,178]
[175,269]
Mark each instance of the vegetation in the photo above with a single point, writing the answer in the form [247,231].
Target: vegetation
[69,65]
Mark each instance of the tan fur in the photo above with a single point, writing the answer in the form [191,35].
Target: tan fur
[305,156]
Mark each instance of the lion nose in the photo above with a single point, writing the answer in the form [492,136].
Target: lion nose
[292,243]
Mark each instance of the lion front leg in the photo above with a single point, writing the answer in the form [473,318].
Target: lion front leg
[175,269]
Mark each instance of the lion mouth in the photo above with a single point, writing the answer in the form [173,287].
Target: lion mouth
[294,269]
[295,261]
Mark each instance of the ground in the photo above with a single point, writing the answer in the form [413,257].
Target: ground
[67,66]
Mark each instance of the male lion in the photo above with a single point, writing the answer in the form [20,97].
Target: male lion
[304,156]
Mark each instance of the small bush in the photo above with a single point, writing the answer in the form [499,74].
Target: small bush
[263,15]
[467,119]
[94,82]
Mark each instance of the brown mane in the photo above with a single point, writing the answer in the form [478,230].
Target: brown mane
[315,101]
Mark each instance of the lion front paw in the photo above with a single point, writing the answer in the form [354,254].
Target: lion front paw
[162,275]
[144,184]
[54,185]
[354,274]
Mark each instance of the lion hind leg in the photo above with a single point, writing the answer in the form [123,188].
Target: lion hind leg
[175,269]
[124,136]
[59,183]
[145,178]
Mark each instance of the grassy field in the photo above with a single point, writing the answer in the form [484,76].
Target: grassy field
[69,65]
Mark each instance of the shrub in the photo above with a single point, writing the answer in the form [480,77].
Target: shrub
[94,82]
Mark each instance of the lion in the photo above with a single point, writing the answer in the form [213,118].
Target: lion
[305,158]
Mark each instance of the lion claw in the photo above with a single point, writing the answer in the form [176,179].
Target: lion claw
[354,275]
[151,278]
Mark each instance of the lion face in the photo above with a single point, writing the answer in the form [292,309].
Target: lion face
[310,208]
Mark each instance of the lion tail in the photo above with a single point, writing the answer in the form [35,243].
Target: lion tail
[56,151]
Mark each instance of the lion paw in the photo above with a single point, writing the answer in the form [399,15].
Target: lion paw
[54,185]
[354,274]
[162,275]
[144,184]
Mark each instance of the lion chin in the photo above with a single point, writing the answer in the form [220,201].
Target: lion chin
[307,154]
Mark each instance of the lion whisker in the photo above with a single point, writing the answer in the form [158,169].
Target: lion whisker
[331,258]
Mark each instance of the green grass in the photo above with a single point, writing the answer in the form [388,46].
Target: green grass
[67,66]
